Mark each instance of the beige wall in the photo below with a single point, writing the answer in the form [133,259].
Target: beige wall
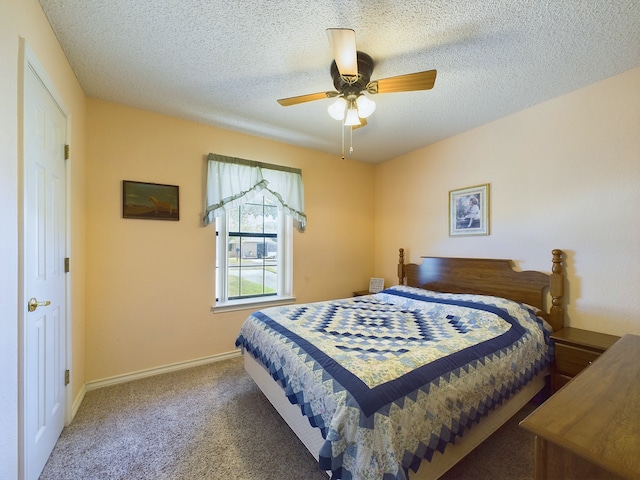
[563,174]
[150,284]
[25,19]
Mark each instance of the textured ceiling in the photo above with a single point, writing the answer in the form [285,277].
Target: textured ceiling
[226,62]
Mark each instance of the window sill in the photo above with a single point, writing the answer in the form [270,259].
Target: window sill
[252,304]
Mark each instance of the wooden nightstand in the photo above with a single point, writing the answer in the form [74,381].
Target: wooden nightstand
[361,293]
[575,350]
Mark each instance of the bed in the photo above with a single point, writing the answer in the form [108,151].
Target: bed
[404,383]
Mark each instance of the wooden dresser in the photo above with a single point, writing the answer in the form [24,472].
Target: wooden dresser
[590,429]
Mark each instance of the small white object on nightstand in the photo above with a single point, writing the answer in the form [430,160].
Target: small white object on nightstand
[376,285]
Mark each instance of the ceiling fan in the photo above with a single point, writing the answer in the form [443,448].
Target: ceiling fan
[351,73]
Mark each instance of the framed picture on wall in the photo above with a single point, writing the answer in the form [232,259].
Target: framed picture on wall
[153,201]
[469,211]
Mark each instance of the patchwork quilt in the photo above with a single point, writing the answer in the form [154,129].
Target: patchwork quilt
[393,377]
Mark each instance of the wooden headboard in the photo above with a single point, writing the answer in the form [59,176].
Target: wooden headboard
[490,277]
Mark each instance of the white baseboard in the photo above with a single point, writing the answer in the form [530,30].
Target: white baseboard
[128,377]
[78,401]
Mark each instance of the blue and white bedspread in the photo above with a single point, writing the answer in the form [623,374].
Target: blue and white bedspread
[390,378]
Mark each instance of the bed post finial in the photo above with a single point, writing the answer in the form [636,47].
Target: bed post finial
[556,290]
[401,267]
[557,260]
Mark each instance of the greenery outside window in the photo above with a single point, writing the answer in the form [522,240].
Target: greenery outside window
[255,207]
[253,248]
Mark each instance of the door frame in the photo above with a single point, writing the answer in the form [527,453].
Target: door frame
[29,61]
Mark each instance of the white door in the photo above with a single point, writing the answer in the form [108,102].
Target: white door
[44,242]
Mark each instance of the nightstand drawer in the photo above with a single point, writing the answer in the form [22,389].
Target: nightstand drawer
[572,360]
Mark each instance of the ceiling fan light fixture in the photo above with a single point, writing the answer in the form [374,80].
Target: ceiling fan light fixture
[337,108]
[365,106]
[352,118]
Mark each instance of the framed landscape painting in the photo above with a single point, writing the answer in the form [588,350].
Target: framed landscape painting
[469,211]
[153,201]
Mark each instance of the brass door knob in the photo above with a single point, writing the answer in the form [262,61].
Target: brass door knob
[33,304]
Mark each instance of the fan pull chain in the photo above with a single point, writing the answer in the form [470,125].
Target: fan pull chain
[350,139]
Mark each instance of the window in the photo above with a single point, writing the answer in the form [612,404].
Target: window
[255,206]
[253,254]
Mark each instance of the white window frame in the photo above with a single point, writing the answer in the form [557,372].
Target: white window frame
[285,269]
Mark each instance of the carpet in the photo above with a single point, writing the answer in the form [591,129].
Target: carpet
[212,422]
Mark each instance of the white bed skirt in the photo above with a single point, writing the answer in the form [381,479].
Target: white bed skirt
[440,463]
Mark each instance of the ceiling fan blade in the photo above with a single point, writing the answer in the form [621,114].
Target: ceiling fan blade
[343,44]
[363,123]
[286,102]
[404,83]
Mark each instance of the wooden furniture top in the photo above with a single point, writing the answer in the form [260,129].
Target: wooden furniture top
[596,416]
[577,337]
[360,293]
[490,277]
